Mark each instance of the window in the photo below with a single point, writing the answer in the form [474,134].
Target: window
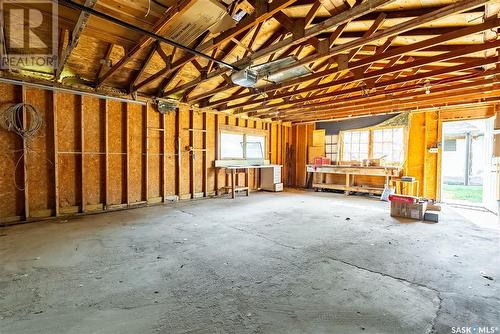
[241,146]
[389,145]
[255,146]
[355,145]
[331,144]
[231,145]
[450,145]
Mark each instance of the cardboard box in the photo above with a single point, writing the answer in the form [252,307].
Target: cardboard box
[408,210]
[403,198]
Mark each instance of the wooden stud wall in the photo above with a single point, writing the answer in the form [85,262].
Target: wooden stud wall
[95,155]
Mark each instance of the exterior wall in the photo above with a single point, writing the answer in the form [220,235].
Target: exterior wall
[95,154]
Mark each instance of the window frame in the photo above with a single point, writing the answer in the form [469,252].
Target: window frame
[392,128]
[371,142]
[340,157]
[245,132]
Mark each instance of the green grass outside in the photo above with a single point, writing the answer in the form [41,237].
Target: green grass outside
[463,193]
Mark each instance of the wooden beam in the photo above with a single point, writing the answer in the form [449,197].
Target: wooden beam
[380,85]
[343,17]
[105,62]
[245,24]
[474,99]
[146,40]
[425,44]
[373,74]
[312,12]
[144,65]
[75,38]
[462,91]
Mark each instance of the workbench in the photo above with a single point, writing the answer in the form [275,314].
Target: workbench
[274,175]
[350,172]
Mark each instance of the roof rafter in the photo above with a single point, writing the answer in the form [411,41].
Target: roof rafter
[372,59]
[146,40]
[81,22]
[383,93]
[341,18]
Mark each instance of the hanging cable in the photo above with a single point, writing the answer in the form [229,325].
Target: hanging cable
[24,120]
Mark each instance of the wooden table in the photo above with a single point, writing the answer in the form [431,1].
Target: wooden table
[234,170]
[350,172]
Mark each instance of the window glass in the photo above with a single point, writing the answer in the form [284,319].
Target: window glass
[231,145]
[255,147]
[389,145]
[355,145]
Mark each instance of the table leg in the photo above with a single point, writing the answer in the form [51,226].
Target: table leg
[247,180]
[347,184]
[233,183]
[259,183]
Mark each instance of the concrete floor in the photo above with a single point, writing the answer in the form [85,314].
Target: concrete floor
[295,262]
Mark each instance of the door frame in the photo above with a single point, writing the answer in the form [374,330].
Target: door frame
[488,166]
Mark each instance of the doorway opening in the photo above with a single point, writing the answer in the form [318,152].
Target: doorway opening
[467,149]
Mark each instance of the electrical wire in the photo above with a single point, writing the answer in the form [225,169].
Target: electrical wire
[24,120]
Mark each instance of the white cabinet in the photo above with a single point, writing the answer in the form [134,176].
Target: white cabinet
[271,178]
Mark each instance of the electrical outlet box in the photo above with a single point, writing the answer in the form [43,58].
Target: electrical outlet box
[433,150]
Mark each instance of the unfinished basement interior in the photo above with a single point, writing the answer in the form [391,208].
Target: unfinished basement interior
[250,166]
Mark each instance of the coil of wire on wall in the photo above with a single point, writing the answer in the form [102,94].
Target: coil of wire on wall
[24,120]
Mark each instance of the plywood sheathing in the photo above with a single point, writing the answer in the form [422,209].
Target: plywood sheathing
[108,155]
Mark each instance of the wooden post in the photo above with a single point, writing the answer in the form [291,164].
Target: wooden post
[146,153]
[226,122]
[439,157]
[55,155]
[192,154]
[424,174]
[247,180]
[82,150]
[216,153]
[127,146]
[205,155]
[178,153]
[233,183]
[106,156]
[25,160]
[347,184]
[164,158]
